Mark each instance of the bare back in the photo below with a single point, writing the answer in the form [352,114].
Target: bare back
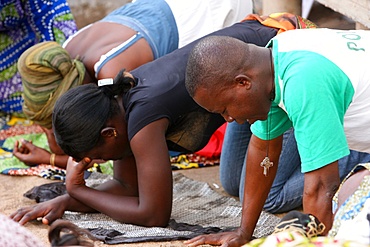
[96,40]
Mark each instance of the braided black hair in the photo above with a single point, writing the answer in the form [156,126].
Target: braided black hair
[81,113]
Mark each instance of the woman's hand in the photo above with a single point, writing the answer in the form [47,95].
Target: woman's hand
[49,211]
[30,154]
[75,174]
[225,239]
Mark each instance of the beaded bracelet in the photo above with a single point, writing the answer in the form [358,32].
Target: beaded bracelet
[52,159]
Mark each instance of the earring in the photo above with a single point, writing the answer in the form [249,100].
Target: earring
[109,132]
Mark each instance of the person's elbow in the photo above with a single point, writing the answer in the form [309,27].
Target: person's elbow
[157,222]
[320,190]
[323,182]
[153,217]
[156,219]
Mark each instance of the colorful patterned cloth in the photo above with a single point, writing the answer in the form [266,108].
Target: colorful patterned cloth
[352,219]
[282,21]
[300,230]
[296,239]
[186,161]
[13,129]
[24,23]
[208,156]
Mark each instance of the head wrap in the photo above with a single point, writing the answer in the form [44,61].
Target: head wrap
[47,72]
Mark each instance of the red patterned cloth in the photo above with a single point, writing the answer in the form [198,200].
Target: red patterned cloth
[19,129]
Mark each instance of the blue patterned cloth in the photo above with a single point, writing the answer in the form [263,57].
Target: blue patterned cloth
[24,23]
[354,204]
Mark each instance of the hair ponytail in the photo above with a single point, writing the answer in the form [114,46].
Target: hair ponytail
[65,233]
[121,84]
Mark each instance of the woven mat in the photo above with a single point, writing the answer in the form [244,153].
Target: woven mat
[197,209]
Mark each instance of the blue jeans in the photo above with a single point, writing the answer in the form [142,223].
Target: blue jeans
[287,189]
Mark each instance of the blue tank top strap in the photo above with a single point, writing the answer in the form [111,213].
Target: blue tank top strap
[153,19]
[115,52]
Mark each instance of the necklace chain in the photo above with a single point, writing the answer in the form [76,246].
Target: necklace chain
[266,163]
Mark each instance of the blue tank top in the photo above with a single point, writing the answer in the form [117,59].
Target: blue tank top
[152,19]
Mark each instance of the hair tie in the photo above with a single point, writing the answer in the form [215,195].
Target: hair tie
[107,87]
[104,82]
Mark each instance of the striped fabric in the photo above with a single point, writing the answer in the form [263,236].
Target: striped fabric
[47,72]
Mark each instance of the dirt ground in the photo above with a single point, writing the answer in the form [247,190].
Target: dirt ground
[12,188]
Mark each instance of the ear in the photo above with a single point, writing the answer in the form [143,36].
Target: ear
[243,80]
[108,132]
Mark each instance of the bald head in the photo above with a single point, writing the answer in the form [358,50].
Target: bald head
[214,62]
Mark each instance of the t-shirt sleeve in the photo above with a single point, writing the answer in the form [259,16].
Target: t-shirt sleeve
[276,124]
[315,96]
[143,114]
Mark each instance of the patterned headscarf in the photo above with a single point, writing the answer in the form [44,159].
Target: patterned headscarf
[282,21]
[47,72]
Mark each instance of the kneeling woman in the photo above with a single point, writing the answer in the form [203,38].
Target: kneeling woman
[133,120]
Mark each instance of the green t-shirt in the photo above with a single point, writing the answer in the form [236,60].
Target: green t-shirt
[316,76]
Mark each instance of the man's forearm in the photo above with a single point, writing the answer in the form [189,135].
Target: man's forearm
[319,188]
[257,184]
[321,207]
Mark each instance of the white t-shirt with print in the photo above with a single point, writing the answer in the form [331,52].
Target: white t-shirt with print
[322,81]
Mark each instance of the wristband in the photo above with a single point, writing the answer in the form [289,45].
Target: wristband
[52,159]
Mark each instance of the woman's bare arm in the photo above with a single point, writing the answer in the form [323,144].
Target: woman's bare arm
[141,196]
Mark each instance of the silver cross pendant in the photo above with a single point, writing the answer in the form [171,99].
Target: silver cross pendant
[266,164]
